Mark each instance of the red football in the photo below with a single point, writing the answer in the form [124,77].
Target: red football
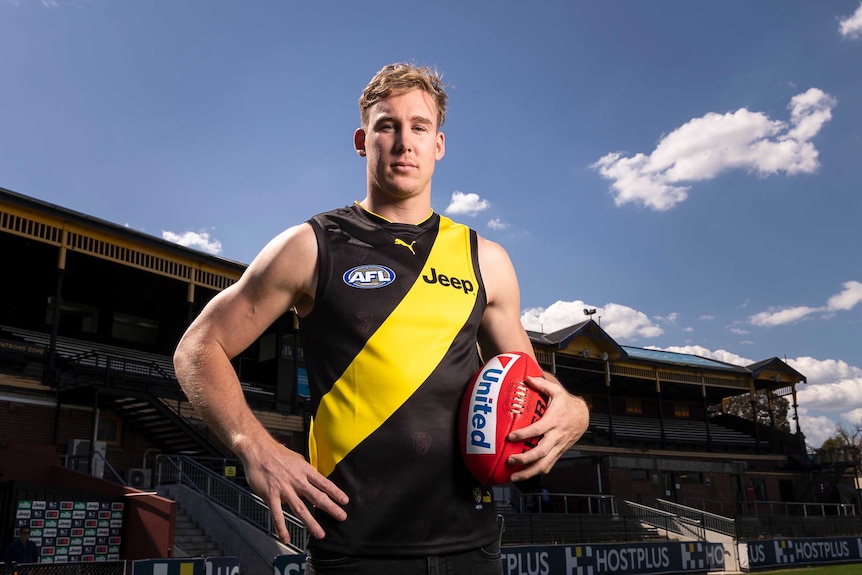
[497,402]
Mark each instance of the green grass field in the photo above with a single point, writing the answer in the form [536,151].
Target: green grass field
[852,569]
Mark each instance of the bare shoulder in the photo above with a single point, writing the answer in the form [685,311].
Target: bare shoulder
[282,276]
[496,267]
[501,328]
[287,265]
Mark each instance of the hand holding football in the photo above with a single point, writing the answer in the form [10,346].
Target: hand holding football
[496,402]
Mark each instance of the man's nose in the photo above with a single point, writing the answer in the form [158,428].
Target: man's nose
[403,140]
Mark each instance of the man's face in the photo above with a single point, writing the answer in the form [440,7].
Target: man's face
[25,534]
[402,144]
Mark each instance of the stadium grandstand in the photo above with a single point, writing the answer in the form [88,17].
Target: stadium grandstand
[94,420]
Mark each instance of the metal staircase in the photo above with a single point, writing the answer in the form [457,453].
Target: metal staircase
[161,425]
[141,388]
[822,487]
[229,495]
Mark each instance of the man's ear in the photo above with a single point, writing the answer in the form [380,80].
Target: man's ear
[359,141]
[441,146]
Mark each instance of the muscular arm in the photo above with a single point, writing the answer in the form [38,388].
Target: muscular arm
[567,416]
[282,276]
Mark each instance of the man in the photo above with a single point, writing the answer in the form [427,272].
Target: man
[22,550]
[393,301]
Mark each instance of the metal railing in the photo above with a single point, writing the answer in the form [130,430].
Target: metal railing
[709,521]
[666,520]
[567,503]
[772,527]
[183,470]
[783,508]
[705,504]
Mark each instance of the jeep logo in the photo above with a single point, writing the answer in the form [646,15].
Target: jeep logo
[443,280]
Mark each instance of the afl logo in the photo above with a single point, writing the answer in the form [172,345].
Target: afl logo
[369,277]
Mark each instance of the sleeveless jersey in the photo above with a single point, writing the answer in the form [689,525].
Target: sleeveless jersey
[390,347]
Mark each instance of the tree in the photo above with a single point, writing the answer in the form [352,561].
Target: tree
[845,445]
[740,406]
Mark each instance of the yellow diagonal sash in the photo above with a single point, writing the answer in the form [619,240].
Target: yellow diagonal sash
[400,355]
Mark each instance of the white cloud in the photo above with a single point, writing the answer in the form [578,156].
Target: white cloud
[466,204]
[843,301]
[835,396]
[739,331]
[851,26]
[196,240]
[782,316]
[854,416]
[706,317]
[719,355]
[824,371]
[848,298]
[816,428]
[497,224]
[621,322]
[705,147]
[833,386]
[669,318]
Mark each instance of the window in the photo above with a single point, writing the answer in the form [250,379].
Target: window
[634,406]
[110,428]
[78,317]
[758,486]
[640,475]
[691,477]
[134,328]
[681,410]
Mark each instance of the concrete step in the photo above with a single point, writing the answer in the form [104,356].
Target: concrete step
[190,540]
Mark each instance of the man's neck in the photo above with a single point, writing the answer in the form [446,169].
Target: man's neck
[412,211]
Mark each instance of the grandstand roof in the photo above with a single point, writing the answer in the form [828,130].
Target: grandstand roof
[35,205]
[560,339]
[684,359]
[774,368]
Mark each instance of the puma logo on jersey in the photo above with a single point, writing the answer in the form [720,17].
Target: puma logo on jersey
[444,280]
[400,242]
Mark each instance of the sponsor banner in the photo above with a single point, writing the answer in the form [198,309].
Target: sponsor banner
[289,564]
[222,566]
[58,528]
[169,567]
[785,552]
[616,559]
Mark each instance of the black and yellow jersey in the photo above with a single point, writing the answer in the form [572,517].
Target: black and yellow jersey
[390,347]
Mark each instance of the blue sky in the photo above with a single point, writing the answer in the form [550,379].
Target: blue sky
[689,169]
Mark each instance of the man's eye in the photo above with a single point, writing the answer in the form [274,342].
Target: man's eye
[387,127]
[420,128]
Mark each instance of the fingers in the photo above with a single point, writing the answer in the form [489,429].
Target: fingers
[281,476]
[278,522]
[327,496]
[557,398]
[564,422]
[319,492]
[549,388]
[541,458]
[303,513]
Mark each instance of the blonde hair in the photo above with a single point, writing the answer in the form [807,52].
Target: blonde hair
[400,77]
